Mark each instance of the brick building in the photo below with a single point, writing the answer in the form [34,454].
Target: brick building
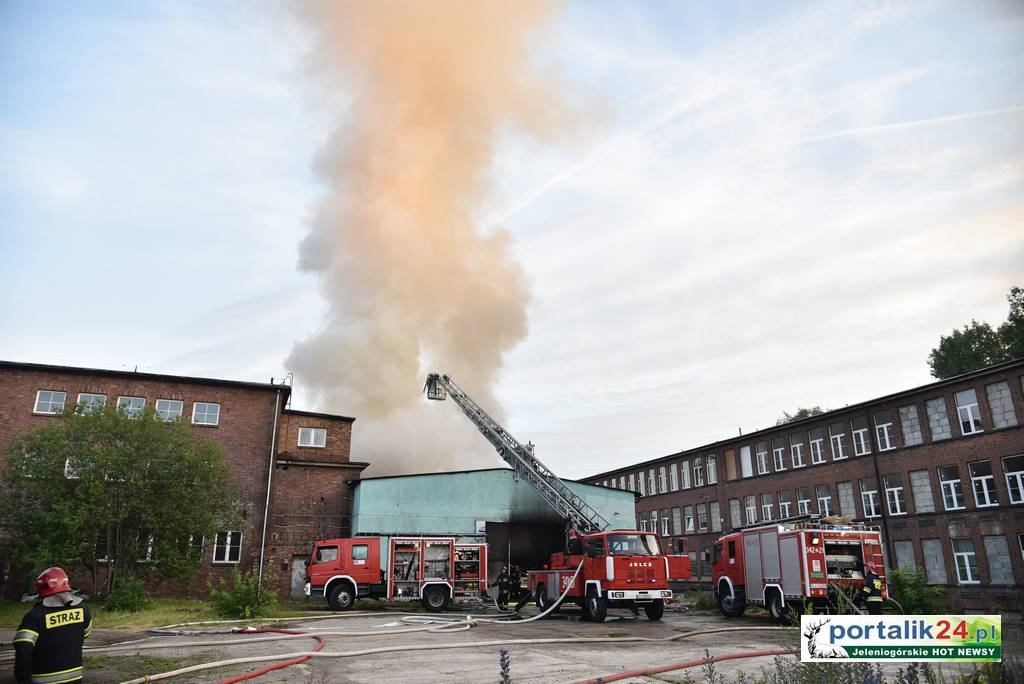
[297,460]
[940,468]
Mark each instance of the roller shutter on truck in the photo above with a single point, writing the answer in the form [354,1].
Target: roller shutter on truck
[752,555]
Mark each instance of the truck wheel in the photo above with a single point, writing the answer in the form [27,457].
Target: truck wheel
[655,609]
[543,602]
[596,606]
[342,597]
[777,607]
[435,599]
[731,606]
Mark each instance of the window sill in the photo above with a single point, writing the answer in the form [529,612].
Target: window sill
[960,508]
[312,446]
[968,584]
[991,505]
[210,425]
[47,413]
[217,562]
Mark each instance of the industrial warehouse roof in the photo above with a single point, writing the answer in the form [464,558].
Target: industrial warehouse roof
[824,416]
[453,502]
[163,377]
[459,472]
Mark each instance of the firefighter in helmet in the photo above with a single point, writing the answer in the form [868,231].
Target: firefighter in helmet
[504,582]
[48,643]
[872,590]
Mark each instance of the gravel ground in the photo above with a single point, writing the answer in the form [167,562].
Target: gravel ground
[529,663]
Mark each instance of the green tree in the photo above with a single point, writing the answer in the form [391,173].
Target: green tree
[975,346]
[800,414]
[103,484]
[1012,331]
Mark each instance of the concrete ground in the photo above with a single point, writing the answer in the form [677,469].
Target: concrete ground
[529,663]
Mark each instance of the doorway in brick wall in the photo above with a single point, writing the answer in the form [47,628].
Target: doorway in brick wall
[297,590]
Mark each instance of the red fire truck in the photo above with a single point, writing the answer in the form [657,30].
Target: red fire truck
[788,563]
[433,570]
[621,569]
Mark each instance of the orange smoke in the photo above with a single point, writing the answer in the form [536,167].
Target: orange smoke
[409,278]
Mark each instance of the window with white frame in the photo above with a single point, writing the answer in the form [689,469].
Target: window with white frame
[663,478]
[796,450]
[684,473]
[698,472]
[894,497]
[884,431]
[952,489]
[911,425]
[652,483]
[643,523]
[313,437]
[677,520]
[1013,467]
[762,458]
[1020,543]
[938,419]
[87,403]
[861,441]
[779,455]
[1000,404]
[746,468]
[921,488]
[131,406]
[824,496]
[665,530]
[688,518]
[785,505]
[169,409]
[803,501]
[702,517]
[654,522]
[869,497]
[673,471]
[966,561]
[817,446]
[750,504]
[712,465]
[228,547]
[837,436]
[50,401]
[847,503]
[632,483]
[622,482]
[642,482]
[983,482]
[715,513]
[204,413]
[767,507]
[195,545]
[734,513]
[968,412]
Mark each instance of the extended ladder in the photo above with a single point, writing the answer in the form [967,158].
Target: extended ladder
[581,516]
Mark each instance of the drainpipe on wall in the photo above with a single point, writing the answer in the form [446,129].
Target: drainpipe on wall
[270,477]
[883,499]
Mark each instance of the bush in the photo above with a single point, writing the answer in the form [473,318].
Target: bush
[704,600]
[127,596]
[244,598]
[911,590]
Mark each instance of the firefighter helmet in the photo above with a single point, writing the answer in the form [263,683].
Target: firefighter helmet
[52,581]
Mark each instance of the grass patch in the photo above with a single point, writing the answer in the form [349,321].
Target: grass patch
[158,612]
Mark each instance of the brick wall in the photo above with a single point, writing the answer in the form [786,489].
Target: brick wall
[308,498]
[975,523]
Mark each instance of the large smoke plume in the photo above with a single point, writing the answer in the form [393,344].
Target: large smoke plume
[411,281]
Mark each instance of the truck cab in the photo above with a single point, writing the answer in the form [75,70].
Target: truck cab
[342,570]
[621,569]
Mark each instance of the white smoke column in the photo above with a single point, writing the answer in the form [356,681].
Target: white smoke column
[408,276]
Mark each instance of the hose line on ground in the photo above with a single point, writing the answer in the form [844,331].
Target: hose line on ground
[686,664]
[434,646]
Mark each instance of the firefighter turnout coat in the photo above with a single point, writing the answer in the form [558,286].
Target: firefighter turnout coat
[49,639]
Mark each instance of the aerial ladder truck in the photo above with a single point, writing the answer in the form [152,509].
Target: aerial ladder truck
[599,568]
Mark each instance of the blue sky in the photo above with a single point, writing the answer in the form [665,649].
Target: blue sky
[767,205]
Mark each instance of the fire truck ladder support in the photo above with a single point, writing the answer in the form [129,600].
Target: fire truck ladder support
[581,516]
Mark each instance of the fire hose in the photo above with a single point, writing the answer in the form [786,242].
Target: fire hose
[686,664]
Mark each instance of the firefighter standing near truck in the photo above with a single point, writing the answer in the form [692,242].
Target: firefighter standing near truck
[872,590]
[503,582]
[48,643]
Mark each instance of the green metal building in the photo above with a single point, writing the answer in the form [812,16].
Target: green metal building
[492,505]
